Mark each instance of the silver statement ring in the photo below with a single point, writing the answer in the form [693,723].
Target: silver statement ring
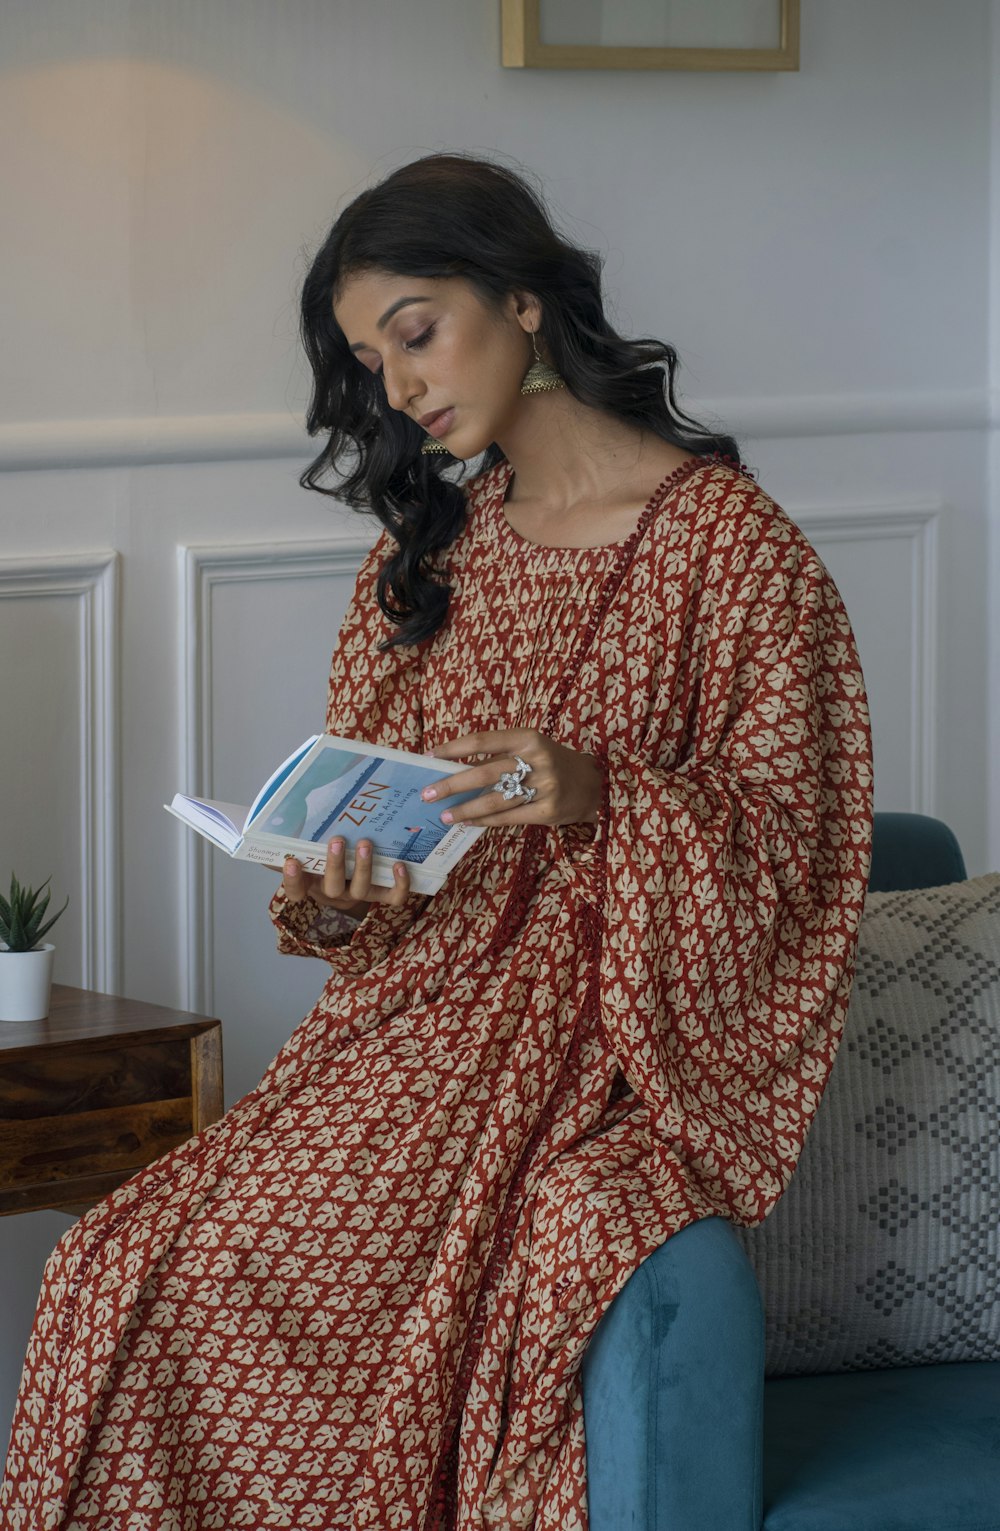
[510,788]
[509,785]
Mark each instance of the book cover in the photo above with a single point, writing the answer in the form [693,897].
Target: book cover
[346,787]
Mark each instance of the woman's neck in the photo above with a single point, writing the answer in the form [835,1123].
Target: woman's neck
[566,455]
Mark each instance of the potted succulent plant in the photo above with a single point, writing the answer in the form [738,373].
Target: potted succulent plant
[25,963]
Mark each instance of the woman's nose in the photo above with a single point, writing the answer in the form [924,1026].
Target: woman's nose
[401,387]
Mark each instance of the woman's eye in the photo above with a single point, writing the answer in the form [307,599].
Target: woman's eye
[419,341]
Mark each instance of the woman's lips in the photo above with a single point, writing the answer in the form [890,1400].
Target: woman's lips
[441,423]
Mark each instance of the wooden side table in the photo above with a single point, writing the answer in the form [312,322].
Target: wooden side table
[96,1091]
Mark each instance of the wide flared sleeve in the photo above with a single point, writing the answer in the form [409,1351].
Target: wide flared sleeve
[373,696]
[731,857]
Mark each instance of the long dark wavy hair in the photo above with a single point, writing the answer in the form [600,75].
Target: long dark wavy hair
[449,215]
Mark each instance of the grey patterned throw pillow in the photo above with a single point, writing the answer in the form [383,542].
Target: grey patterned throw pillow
[885,1249]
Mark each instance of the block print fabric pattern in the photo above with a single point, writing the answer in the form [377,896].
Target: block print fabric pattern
[361,1299]
[885,1251]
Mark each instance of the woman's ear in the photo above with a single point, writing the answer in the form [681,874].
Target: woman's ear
[526,309]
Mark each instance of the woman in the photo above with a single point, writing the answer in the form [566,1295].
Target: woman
[361,1299]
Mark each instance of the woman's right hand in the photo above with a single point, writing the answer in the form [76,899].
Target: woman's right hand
[332,889]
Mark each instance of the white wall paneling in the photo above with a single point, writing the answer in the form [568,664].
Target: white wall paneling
[59,617]
[885,561]
[271,573]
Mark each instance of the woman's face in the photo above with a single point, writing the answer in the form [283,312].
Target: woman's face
[439,347]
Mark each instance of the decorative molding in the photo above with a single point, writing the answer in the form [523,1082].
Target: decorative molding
[915,523]
[149,440]
[201,570]
[145,441]
[92,580]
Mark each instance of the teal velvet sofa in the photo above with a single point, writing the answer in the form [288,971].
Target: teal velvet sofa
[690,1428]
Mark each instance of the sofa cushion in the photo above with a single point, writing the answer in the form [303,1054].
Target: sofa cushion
[886,1451]
[885,1249]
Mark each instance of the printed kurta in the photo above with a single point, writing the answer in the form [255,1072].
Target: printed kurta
[361,1299]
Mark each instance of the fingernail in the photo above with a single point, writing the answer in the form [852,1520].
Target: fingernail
[291,868]
[364,850]
[447,816]
[336,846]
[429,792]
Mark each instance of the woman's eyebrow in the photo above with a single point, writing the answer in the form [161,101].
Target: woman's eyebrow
[392,309]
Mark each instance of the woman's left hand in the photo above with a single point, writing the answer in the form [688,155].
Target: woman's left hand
[567,784]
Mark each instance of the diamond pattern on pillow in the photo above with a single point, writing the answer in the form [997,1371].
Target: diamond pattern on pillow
[885,1249]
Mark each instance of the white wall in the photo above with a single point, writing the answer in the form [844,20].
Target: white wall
[816,245]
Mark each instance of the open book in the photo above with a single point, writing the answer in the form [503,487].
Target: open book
[351,789]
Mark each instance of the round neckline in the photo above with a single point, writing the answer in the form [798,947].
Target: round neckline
[505,474]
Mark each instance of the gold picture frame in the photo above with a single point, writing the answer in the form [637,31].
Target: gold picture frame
[523,48]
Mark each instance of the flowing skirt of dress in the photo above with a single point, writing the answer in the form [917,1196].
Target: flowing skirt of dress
[298,1287]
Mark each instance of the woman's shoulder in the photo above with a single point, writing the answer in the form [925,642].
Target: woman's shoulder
[720,525]
[737,531]
[725,503]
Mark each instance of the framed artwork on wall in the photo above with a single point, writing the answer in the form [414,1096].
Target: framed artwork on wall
[650,34]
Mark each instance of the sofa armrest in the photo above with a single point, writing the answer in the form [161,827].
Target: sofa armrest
[673,1384]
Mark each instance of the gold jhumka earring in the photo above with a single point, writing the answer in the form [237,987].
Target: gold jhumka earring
[540,377]
[432,445]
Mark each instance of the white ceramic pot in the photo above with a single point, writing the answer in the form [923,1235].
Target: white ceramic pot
[26,983]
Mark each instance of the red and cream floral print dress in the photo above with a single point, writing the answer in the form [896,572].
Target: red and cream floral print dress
[361,1299]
